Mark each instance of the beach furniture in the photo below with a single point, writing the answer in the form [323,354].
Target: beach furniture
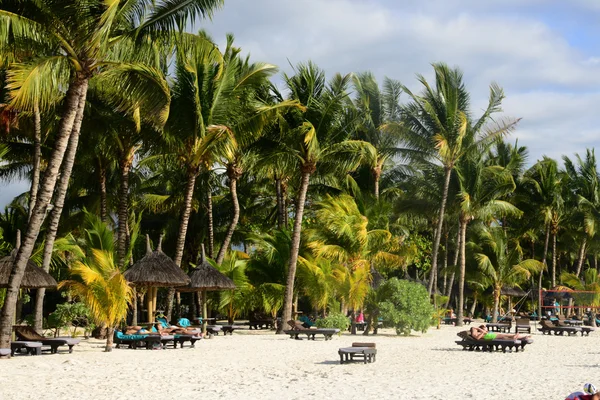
[229,329]
[522,325]
[549,328]
[182,338]
[499,327]
[453,321]
[214,329]
[28,334]
[362,351]
[32,348]
[311,333]
[259,321]
[470,343]
[149,341]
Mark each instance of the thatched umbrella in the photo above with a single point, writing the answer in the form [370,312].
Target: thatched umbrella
[205,277]
[34,277]
[155,270]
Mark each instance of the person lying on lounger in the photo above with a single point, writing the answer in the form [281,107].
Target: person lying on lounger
[136,330]
[175,330]
[481,332]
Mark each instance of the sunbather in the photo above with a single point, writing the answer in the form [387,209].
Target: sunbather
[136,330]
[176,330]
[481,332]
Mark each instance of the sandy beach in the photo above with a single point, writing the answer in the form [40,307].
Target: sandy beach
[262,365]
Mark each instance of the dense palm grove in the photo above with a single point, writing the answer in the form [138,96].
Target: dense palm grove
[305,189]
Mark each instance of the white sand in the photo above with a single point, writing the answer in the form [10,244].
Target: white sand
[263,365]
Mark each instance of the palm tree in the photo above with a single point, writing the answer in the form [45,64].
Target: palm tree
[439,128]
[342,236]
[98,281]
[583,182]
[589,282]
[481,190]
[500,261]
[379,123]
[232,302]
[319,137]
[80,39]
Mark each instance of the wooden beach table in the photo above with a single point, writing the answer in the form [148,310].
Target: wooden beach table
[367,354]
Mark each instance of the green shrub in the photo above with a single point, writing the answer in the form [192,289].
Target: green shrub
[406,307]
[71,314]
[334,320]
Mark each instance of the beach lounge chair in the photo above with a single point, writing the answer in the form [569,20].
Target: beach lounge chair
[298,329]
[549,328]
[149,341]
[27,333]
[472,344]
[522,325]
[229,329]
[365,351]
[32,348]
[504,327]
[182,338]
[258,321]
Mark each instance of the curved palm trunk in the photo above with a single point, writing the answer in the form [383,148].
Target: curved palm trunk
[125,167]
[461,276]
[581,257]
[233,178]
[289,287]
[37,156]
[376,172]
[211,226]
[185,218]
[77,92]
[59,202]
[546,240]
[438,232]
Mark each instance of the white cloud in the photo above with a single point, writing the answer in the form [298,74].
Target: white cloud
[552,85]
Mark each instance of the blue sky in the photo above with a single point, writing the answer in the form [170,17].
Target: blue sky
[544,53]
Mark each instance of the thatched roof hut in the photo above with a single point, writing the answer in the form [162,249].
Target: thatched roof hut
[34,277]
[156,269]
[207,277]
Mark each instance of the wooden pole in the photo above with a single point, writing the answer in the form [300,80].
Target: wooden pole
[204,312]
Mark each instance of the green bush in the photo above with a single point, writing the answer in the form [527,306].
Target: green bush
[407,307]
[71,314]
[334,320]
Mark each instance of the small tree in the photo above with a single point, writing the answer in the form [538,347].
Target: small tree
[407,307]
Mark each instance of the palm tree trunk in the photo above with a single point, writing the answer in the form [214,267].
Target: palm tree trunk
[109,339]
[234,175]
[37,156]
[461,276]
[125,167]
[553,259]
[77,92]
[289,287]
[581,257]
[456,254]
[546,240]
[473,307]
[211,227]
[284,202]
[103,205]
[185,218]
[59,202]
[445,281]
[376,172]
[438,232]
[280,206]
[496,305]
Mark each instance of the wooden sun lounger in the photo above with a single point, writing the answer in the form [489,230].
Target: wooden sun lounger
[499,327]
[471,344]
[585,330]
[33,348]
[28,334]
[182,338]
[142,340]
[364,351]
[548,328]
[522,325]
[214,329]
[298,329]
[229,329]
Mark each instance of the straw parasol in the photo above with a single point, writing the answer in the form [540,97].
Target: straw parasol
[155,270]
[205,277]
[34,277]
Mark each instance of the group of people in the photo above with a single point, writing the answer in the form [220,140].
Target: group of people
[161,327]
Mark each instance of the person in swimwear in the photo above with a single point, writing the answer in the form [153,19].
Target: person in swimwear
[481,332]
